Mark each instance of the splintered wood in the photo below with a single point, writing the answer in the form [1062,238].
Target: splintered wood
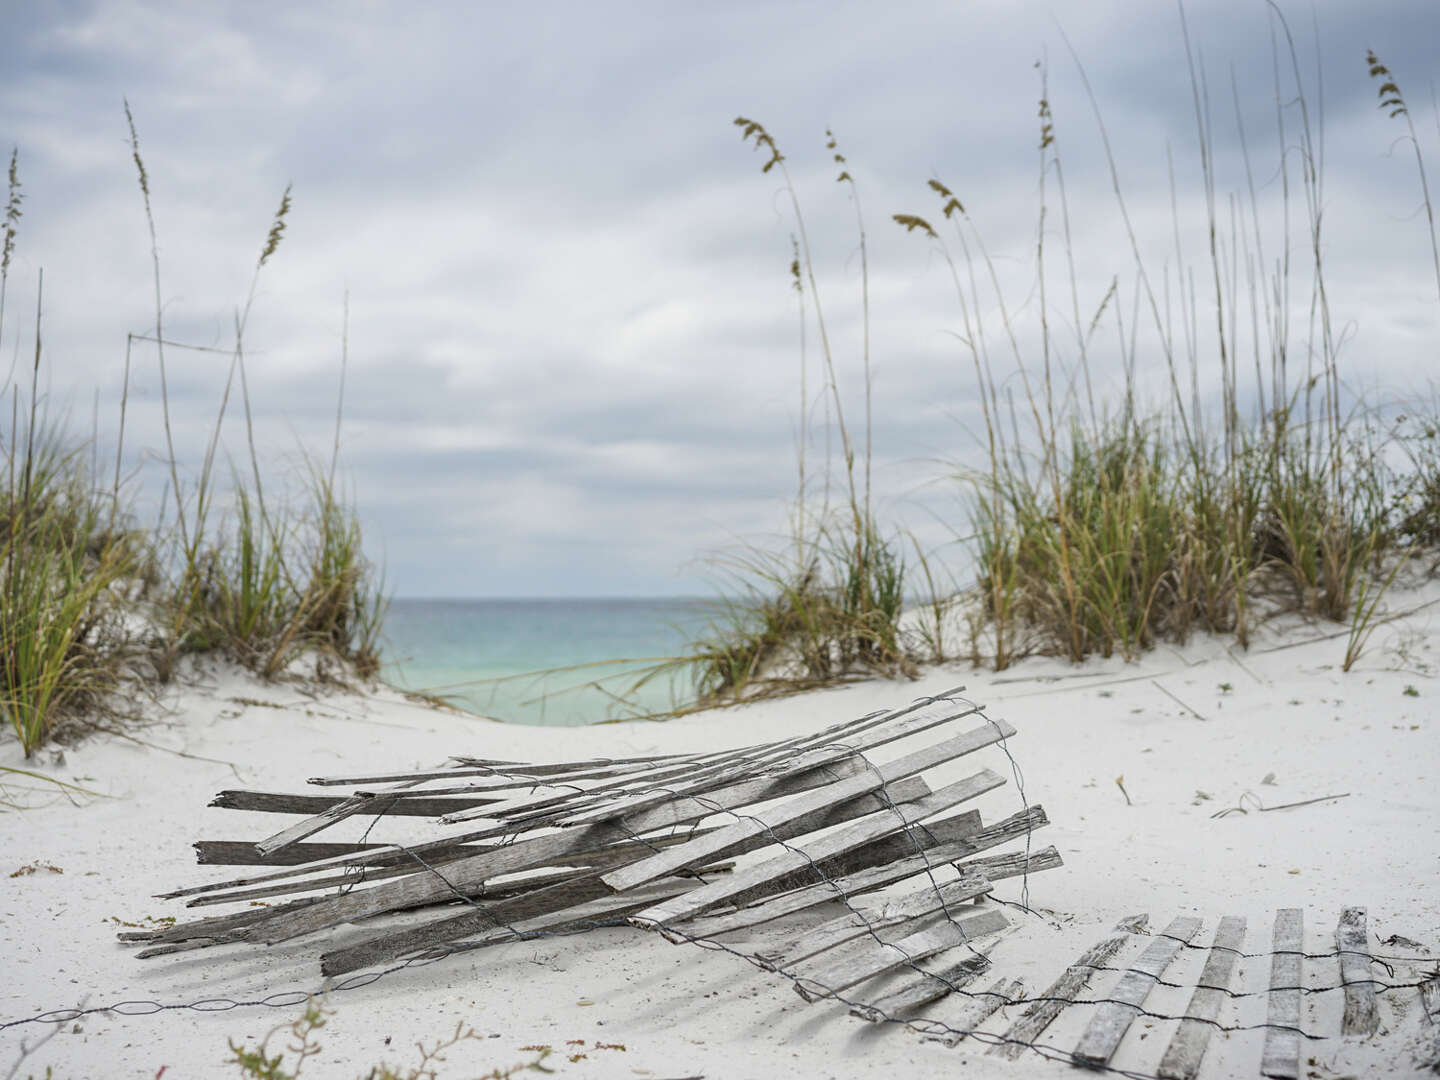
[696,847]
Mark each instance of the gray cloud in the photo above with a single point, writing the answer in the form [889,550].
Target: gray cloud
[574,351]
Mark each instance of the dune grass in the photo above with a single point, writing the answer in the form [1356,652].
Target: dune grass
[91,605]
[1104,530]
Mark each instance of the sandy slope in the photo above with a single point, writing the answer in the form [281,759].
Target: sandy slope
[1284,708]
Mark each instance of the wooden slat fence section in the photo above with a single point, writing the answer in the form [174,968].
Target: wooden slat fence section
[999,994]
[1040,1014]
[566,846]
[715,770]
[847,966]
[1108,1026]
[471,873]
[876,733]
[1187,1048]
[1280,1058]
[574,845]
[866,920]
[937,976]
[945,850]
[768,819]
[1362,1012]
[836,843]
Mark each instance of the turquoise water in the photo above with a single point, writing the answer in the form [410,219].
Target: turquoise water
[482,654]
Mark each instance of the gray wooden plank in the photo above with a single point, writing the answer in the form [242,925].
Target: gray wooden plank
[1280,1058]
[519,771]
[1108,1026]
[999,994]
[398,804]
[937,976]
[836,971]
[1040,1014]
[243,853]
[768,818]
[865,920]
[794,857]
[1352,944]
[355,804]
[895,866]
[1187,1048]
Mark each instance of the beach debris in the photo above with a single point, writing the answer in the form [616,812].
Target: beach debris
[697,847]
[1041,1012]
[1120,783]
[1259,807]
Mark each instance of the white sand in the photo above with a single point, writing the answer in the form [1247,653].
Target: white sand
[679,1011]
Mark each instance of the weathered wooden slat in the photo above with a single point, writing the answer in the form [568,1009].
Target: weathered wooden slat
[1040,1014]
[355,804]
[211,926]
[1352,943]
[876,734]
[1109,1024]
[768,818]
[1280,1058]
[853,963]
[1187,1048]
[938,976]
[800,855]
[867,919]
[981,1006]
[400,804]
[504,770]
[892,863]
[243,853]
[470,874]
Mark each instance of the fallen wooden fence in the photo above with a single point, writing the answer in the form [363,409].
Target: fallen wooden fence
[692,845]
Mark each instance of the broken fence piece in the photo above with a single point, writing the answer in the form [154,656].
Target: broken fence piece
[935,977]
[1039,1014]
[1108,1026]
[864,958]
[574,845]
[981,1005]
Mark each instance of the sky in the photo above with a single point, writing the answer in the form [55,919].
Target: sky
[573,350]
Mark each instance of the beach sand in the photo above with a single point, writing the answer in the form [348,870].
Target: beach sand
[1192,731]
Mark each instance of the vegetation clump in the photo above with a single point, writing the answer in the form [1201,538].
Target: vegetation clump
[93,606]
[1103,529]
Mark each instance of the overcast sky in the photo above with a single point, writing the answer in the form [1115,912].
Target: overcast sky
[574,351]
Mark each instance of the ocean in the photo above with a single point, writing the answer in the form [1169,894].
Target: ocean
[482,655]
